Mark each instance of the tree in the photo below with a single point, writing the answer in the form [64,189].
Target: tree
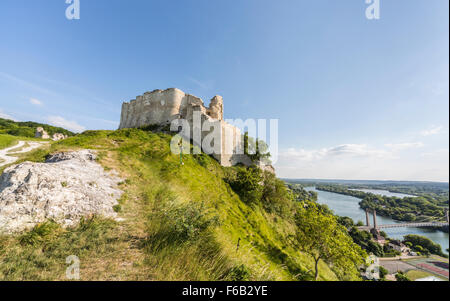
[423,243]
[257,150]
[401,277]
[275,196]
[247,184]
[323,238]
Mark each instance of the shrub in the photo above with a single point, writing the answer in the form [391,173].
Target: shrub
[240,273]
[401,277]
[39,233]
[383,272]
[117,208]
[247,184]
[276,197]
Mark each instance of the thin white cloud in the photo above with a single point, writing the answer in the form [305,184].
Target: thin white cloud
[27,84]
[400,161]
[343,150]
[36,102]
[404,146]
[437,153]
[432,131]
[206,85]
[6,116]
[70,125]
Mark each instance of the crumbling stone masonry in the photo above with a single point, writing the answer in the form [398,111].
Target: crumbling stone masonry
[161,107]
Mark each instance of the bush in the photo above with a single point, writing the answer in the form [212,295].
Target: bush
[190,221]
[247,184]
[262,188]
[39,233]
[383,272]
[401,277]
[276,198]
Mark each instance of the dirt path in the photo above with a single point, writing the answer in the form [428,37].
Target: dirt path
[6,153]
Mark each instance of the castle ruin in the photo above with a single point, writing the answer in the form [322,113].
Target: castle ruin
[161,107]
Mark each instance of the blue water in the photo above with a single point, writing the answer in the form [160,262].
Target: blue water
[344,205]
[384,193]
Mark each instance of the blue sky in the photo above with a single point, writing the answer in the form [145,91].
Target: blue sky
[355,98]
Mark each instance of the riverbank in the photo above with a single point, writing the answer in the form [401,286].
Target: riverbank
[343,205]
[402,208]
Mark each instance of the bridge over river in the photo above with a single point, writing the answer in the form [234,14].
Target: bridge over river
[377,227]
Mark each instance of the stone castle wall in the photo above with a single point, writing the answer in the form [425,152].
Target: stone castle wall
[161,107]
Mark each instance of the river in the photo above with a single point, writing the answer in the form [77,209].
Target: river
[345,205]
[384,193]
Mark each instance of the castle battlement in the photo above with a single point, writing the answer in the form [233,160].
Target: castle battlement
[161,107]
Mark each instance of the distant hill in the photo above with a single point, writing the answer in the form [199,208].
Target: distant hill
[368,182]
[28,128]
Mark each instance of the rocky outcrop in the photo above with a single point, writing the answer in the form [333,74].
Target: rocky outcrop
[65,188]
[41,133]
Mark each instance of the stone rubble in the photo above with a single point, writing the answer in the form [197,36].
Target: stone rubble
[58,136]
[41,133]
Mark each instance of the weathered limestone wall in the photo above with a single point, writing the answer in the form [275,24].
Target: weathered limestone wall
[163,106]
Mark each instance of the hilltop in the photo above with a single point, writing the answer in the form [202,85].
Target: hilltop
[197,221]
[28,128]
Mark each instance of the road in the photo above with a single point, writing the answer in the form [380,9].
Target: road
[6,153]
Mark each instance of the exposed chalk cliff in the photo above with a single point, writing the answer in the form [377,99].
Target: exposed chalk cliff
[65,188]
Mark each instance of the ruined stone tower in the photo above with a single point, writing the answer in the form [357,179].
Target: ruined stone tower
[161,107]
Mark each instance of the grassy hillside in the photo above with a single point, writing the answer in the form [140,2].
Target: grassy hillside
[7,141]
[191,222]
[28,129]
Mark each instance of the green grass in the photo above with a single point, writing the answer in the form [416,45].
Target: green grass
[180,223]
[41,253]
[413,275]
[7,141]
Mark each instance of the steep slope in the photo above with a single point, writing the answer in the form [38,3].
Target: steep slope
[181,222]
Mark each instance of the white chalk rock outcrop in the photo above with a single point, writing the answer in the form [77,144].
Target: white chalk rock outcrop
[58,136]
[65,188]
[41,133]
